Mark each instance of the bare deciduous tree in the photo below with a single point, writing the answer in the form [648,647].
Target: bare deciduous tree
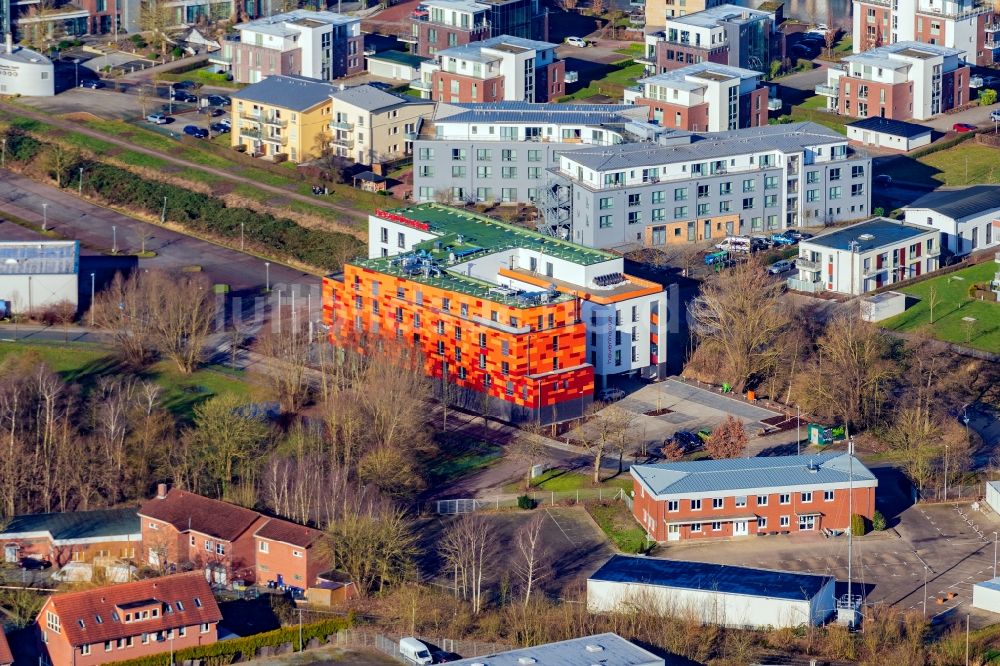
[932,300]
[740,317]
[182,316]
[466,547]
[287,372]
[530,563]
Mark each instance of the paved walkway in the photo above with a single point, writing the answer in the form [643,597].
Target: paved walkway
[347,215]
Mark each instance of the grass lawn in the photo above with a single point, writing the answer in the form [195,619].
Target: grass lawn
[814,102]
[613,84]
[635,50]
[844,46]
[88,143]
[141,160]
[953,306]
[967,164]
[818,115]
[560,480]
[200,176]
[459,456]
[85,363]
[617,522]
[205,158]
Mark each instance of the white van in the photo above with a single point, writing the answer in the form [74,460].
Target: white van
[414,651]
[735,244]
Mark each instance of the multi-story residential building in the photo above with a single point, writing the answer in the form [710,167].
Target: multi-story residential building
[901,81]
[749,496]
[516,320]
[73,536]
[369,125]
[128,621]
[697,187]
[444,24]
[283,116]
[658,11]
[319,45]
[727,35]
[500,152]
[968,217]
[703,97]
[967,25]
[863,257]
[227,541]
[493,70]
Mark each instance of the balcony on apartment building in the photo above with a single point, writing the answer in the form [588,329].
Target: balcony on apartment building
[976,9]
[341,124]
[809,286]
[264,118]
[344,142]
[808,264]
[827,91]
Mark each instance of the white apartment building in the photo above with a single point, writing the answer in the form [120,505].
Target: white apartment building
[863,257]
[703,97]
[496,69]
[967,25]
[901,81]
[967,217]
[318,45]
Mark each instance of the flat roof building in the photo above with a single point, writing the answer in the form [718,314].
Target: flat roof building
[523,318]
[730,596]
[751,496]
[605,649]
[36,276]
[865,256]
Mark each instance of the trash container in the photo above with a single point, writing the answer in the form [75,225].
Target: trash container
[751,396]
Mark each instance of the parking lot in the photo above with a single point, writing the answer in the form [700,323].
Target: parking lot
[935,543]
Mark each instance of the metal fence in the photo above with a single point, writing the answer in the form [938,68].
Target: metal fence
[389,645]
[470,505]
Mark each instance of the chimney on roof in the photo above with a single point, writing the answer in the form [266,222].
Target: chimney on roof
[161,491]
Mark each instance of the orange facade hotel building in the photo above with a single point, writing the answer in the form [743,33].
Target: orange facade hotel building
[529,322]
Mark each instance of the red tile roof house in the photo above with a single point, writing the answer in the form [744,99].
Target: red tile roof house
[232,542]
[740,497]
[109,624]
[6,658]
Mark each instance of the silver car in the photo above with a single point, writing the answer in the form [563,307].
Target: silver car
[778,267]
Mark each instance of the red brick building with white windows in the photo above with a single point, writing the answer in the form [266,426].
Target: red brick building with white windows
[751,496]
[109,624]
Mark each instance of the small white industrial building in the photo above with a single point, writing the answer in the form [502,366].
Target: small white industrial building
[38,275]
[887,133]
[967,217]
[604,649]
[986,595]
[730,596]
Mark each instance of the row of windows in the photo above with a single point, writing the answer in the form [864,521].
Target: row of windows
[482,194]
[783,521]
[218,547]
[482,154]
[806,497]
[265,547]
[427,171]
[128,641]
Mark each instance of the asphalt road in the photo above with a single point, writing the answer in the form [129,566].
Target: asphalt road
[98,228]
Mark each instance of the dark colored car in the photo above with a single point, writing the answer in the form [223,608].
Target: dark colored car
[180,85]
[196,132]
[688,441]
[219,128]
[93,84]
[442,657]
[33,564]
[963,127]
[219,100]
[182,96]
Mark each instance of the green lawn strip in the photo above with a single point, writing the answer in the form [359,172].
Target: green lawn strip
[134,158]
[954,305]
[268,178]
[68,361]
[133,133]
[251,192]
[205,158]
[820,117]
[814,102]
[626,75]
[199,176]
[459,456]
[967,164]
[90,143]
[28,124]
[182,393]
[615,519]
[633,50]
[560,480]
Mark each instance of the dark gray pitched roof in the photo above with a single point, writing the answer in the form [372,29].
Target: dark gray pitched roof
[961,203]
[876,232]
[76,524]
[298,93]
[371,98]
[889,126]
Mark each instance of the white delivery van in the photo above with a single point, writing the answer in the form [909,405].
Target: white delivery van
[414,651]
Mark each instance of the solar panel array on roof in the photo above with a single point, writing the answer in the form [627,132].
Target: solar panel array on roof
[39,258]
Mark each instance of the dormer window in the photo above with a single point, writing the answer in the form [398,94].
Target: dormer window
[82,625]
[180,606]
[99,619]
[197,602]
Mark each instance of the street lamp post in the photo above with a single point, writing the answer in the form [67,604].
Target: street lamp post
[267,276]
[80,184]
[798,432]
[945,472]
[114,239]
[91,299]
[995,536]
[925,590]
[242,224]
[45,216]
[76,66]
[3,156]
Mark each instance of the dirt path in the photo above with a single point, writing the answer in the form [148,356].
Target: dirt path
[354,217]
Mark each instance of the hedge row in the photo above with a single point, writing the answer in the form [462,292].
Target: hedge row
[228,651]
[196,211]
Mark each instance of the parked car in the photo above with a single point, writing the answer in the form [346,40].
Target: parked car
[33,563]
[414,652]
[226,122]
[219,100]
[794,234]
[442,657]
[158,118]
[704,434]
[219,128]
[995,116]
[196,132]
[782,239]
[804,236]
[760,243]
[778,267]
[686,440]
[610,394]
[577,41]
[184,84]
[183,96]
[963,127]
[93,84]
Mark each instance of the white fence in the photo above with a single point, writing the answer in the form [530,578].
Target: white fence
[389,645]
[469,505]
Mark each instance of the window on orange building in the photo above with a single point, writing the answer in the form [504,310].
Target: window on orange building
[505,347]
[482,361]
[505,368]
